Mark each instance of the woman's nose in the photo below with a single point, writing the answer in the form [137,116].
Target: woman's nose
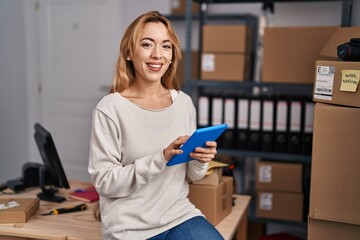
[156,53]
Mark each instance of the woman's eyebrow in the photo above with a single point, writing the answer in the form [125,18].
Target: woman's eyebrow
[152,40]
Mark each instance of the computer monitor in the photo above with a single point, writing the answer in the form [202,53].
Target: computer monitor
[51,174]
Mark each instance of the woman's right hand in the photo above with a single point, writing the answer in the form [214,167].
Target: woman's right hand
[174,147]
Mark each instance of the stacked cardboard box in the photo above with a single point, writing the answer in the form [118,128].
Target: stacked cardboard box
[335,179]
[225,53]
[279,190]
[291,52]
[214,201]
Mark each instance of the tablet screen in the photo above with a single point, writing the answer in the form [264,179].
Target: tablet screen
[197,139]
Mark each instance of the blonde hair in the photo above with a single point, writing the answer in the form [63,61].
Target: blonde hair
[125,72]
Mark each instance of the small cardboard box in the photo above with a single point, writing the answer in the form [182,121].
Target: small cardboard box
[215,202]
[213,175]
[335,178]
[23,209]
[224,39]
[224,66]
[179,7]
[277,176]
[291,52]
[319,229]
[280,205]
[336,82]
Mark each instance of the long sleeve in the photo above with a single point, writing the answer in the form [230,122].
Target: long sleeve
[111,178]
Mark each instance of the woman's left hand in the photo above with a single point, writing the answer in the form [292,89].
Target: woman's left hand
[205,154]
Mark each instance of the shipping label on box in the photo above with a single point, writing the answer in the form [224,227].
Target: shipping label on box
[336,82]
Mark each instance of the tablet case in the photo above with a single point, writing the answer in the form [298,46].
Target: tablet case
[197,139]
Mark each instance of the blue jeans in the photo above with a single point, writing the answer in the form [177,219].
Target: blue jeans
[196,228]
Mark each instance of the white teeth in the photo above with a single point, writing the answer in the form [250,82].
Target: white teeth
[155,65]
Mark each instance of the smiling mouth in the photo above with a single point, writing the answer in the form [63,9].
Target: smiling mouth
[155,66]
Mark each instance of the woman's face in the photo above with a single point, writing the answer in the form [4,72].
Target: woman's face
[153,53]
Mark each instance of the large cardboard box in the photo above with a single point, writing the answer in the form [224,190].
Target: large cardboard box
[335,178]
[18,210]
[219,66]
[325,230]
[224,39]
[291,52]
[276,176]
[215,202]
[280,205]
[336,82]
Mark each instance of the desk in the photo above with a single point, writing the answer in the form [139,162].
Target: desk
[82,225]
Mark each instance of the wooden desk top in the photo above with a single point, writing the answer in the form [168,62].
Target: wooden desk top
[82,225]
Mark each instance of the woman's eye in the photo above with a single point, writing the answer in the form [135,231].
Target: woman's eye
[167,46]
[146,45]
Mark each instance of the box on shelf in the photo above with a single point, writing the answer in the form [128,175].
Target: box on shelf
[180,72]
[224,39]
[276,176]
[178,7]
[335,178]
[319,229]
[291,52]
[224,67]
[280,205]
[18,210]
[215,202]
[336,82]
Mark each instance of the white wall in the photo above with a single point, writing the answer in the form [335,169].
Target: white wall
[14,149]
[19,63]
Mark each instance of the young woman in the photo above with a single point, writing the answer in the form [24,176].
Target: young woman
[136,130]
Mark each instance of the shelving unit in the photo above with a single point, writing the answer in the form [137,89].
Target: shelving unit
[196,86]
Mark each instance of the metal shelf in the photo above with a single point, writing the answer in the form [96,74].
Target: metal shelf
[288,157]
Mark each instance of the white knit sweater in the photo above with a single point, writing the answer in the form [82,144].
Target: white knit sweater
[140,196]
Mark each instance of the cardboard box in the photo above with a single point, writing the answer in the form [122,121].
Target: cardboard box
[340,36]
[335,178]
[291,52]
[178,7]
[224,39]
[23,209]
[280,205]
[215,202]
[275,176]
[225,67]
[325,230]
[336,82]
[213,179]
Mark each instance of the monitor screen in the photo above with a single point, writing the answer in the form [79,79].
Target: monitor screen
[52,174]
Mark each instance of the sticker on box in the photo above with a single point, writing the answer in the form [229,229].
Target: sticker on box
[208,62]
[324,82]
[349,80]
[265,173]
[266,201]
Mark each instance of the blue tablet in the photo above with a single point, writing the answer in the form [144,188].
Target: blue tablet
[197,139]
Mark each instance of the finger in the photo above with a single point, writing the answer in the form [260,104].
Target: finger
[211,144]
